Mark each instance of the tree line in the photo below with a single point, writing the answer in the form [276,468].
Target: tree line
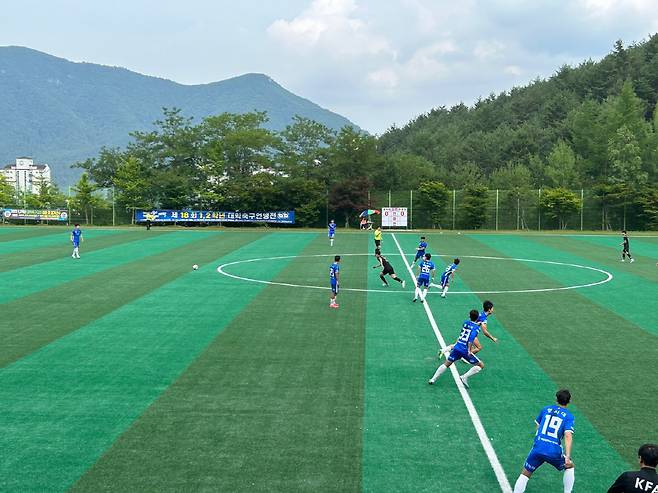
[594,126]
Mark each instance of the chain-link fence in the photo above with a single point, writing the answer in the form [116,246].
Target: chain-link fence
[493,210]
[505,210]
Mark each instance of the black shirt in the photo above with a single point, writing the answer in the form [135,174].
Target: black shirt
[645,480]
[625,242]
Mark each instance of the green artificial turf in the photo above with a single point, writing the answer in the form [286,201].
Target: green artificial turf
[127,371]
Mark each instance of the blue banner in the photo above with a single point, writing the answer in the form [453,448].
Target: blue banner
[170,216]
[36,214]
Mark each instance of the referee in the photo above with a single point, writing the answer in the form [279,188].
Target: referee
[645,479]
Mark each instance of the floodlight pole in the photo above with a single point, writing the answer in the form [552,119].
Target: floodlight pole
[411,208]
[539,212]
[582,207]
[454,202]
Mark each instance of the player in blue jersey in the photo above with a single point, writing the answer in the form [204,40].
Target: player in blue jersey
[334,270]
[76,239]
[463,349]
[554,423]
[447,275]
[426,272]
[487,310]
[420,249]
[332,232]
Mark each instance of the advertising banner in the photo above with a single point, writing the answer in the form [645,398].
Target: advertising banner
[394,217]
[36,214]
[170,216]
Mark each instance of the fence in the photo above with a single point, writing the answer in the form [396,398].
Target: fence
[504,210]
[508,210]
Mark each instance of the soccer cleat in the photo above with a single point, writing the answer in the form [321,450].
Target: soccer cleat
[443,295]
[464,381]
[632,260]
[403,284]
[333,305]
[384,284]
[422,301]
[414,300]
[430,381]
[623,260]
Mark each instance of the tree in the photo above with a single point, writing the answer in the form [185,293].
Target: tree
[625,160]
[349,197]
[84,199]
[474,206]
[353,155]
[558,203]
[306,197]
[403,171]
[561,169]
[465,176]
[7,195]
[131,184]
[648,202]
[434,196]
[304,146]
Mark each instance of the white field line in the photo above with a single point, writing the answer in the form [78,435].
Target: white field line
[222,270]
[475,418]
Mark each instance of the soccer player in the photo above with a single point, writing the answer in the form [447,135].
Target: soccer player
[487,310]
[426,270]
[333,280]
[645,479]
[378,237]
[553,424]
[76,238]
[447,274]
[332,232]
[463,349]
[387,268]
[420,249]
[625,252]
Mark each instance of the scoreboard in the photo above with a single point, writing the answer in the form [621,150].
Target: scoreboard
[394,217]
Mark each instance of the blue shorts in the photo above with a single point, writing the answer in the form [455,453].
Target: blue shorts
[419,255]
[445,280]
[536,459]
[423,282]
[76,244]
[331,235]
[457,354]
[334,287]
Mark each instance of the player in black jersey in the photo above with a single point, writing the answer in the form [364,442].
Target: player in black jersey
[386,267]
[644,480]
[625,248]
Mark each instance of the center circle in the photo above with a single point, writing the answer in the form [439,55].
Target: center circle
[608,276]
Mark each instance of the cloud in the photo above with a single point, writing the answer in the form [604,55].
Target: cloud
[332,27]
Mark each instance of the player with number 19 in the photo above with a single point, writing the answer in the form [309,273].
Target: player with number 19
[554,423]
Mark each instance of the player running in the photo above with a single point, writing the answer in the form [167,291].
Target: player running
[553,424]
[426,271]
[76,239]
[332,232]
[625,248]
[420,249]
[333,280]
[447,275]
[463,349]
[487,310]
[387,268]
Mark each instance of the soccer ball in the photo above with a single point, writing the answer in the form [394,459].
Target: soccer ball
[195,267]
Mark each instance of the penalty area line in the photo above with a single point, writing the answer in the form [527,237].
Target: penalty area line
[475,417]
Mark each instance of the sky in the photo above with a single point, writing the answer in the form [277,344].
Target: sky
[379,63]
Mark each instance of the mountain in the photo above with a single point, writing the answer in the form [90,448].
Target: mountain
[60,112]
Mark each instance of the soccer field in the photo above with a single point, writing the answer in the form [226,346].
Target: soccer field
[128,371]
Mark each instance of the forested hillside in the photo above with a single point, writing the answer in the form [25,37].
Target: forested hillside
[61,112]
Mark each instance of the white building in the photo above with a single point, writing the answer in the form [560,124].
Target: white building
[25,176]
